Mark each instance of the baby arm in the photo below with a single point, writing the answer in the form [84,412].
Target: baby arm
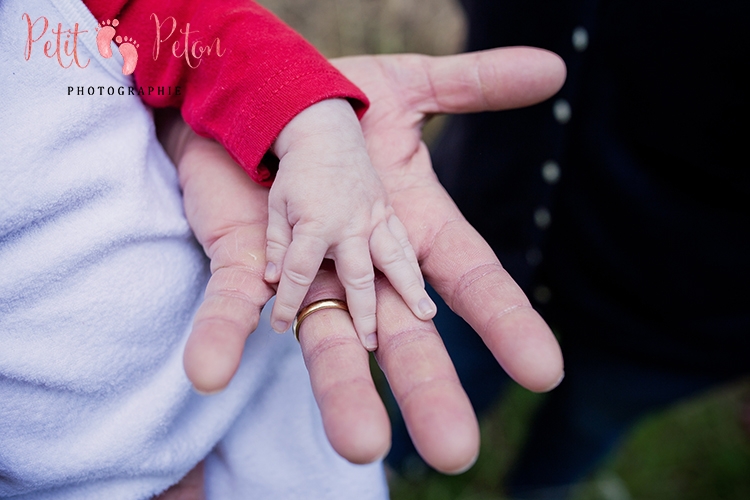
[328,202]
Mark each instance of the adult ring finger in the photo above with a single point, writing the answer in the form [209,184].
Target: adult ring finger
[312,307]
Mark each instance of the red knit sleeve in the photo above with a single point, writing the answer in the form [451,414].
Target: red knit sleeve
[267,74]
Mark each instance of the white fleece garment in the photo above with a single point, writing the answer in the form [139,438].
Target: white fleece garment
[99,279]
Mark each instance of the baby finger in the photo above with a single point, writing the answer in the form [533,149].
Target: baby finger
[354,268]
[298,270]
[389,256]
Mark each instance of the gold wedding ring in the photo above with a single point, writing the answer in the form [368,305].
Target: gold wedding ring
[318,305]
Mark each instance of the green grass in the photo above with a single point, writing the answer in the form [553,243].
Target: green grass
[694,451]
[697,450]
[502,432]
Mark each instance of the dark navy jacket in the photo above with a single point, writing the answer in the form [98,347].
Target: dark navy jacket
[622,204]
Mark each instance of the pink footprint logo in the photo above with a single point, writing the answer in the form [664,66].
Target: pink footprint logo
[127,46]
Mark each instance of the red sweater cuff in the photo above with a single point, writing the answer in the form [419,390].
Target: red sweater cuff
[267,75]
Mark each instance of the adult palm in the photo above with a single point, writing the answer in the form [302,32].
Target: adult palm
[404,91]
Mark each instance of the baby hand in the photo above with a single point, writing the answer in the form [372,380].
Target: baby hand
[328,202]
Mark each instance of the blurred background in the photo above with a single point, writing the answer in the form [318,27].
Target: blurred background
[349,27]
[698,450]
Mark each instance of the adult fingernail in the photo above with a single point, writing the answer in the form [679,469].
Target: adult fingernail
[280,326]
[207,393]
[559,381]
[427,308]
[465,467]
[270,273]
[371,342]
[383,455]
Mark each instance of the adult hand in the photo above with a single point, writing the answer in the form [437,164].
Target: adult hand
[407,89]
[404,90]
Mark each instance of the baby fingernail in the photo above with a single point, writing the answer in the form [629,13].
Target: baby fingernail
[280,326]
[427,308]
[371,342]
[270,271]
